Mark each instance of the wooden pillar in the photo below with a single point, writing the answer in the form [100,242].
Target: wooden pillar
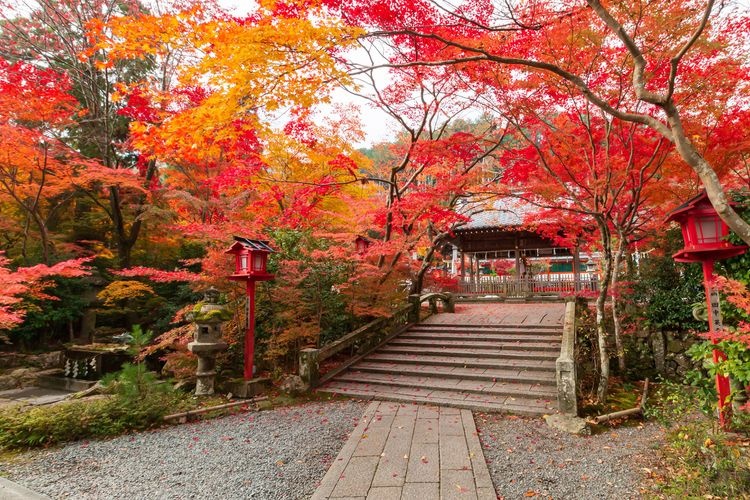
[576,269]
[471,268]
[463,266]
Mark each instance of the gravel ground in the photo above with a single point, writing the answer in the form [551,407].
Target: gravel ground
[274,454]
[527,458]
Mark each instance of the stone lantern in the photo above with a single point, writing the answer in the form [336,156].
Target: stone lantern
[208,317]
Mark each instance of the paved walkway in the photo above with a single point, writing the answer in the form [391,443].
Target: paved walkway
[408,451]
[502,313]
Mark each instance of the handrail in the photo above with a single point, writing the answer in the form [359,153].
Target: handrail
[509,286]
[350,338]
[367,338]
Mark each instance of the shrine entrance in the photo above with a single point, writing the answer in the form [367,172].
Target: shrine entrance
[511,262]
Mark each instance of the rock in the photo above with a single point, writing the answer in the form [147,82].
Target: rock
[682,361]
[48,360]
[571,425]
[293,385]
[657,345]
[11,359]
[19,377]
[20,373]
[186,385]
[675,346]
[8,382]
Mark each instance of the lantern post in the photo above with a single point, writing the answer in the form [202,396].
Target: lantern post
[251,262]
[704,234]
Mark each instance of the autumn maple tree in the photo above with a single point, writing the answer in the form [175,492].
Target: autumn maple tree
[675,67]
[602,174]
[34,281]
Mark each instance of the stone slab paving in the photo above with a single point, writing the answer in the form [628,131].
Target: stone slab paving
[408,451]
[503,313]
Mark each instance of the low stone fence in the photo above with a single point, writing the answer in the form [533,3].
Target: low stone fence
[360,341]
[565,366]
[367,338]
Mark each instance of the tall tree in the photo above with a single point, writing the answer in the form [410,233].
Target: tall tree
[54,34]
[596,169]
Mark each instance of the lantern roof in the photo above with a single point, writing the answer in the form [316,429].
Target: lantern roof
[699,202]
[241,243]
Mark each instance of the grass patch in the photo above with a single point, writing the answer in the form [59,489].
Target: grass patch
[699,460]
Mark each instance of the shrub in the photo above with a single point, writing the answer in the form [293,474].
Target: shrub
[702,463]
[48,425]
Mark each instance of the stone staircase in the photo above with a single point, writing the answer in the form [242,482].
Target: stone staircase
[502,367]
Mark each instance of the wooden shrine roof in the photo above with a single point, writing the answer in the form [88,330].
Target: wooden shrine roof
[502,228]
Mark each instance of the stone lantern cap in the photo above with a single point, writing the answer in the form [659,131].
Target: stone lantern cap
[209,310]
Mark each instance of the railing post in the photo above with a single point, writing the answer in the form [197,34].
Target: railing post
[565,365]
[450,303]
[433,305]
[309,366]
[415,301]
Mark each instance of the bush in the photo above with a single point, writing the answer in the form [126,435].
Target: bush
[112,416]
[700,460]
[138,401]
[704,463]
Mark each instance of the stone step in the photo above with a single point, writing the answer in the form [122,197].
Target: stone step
[519,390]
[473,361]
[478,402]
[491,326]
[481,337]
[473,343]
[474,329]
[459,352]
[535,377]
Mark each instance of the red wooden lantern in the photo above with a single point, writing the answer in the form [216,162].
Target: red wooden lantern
[703,231]
[705,235]
[361,244]
[250,265]
[250,259]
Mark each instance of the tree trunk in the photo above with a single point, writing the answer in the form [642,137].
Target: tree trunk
[615,304]
[43,235]
[417,283]
[601,330]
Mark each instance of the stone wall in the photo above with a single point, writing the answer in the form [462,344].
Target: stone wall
[21,370]
[650,353]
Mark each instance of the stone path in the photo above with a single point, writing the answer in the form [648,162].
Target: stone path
[408,451]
